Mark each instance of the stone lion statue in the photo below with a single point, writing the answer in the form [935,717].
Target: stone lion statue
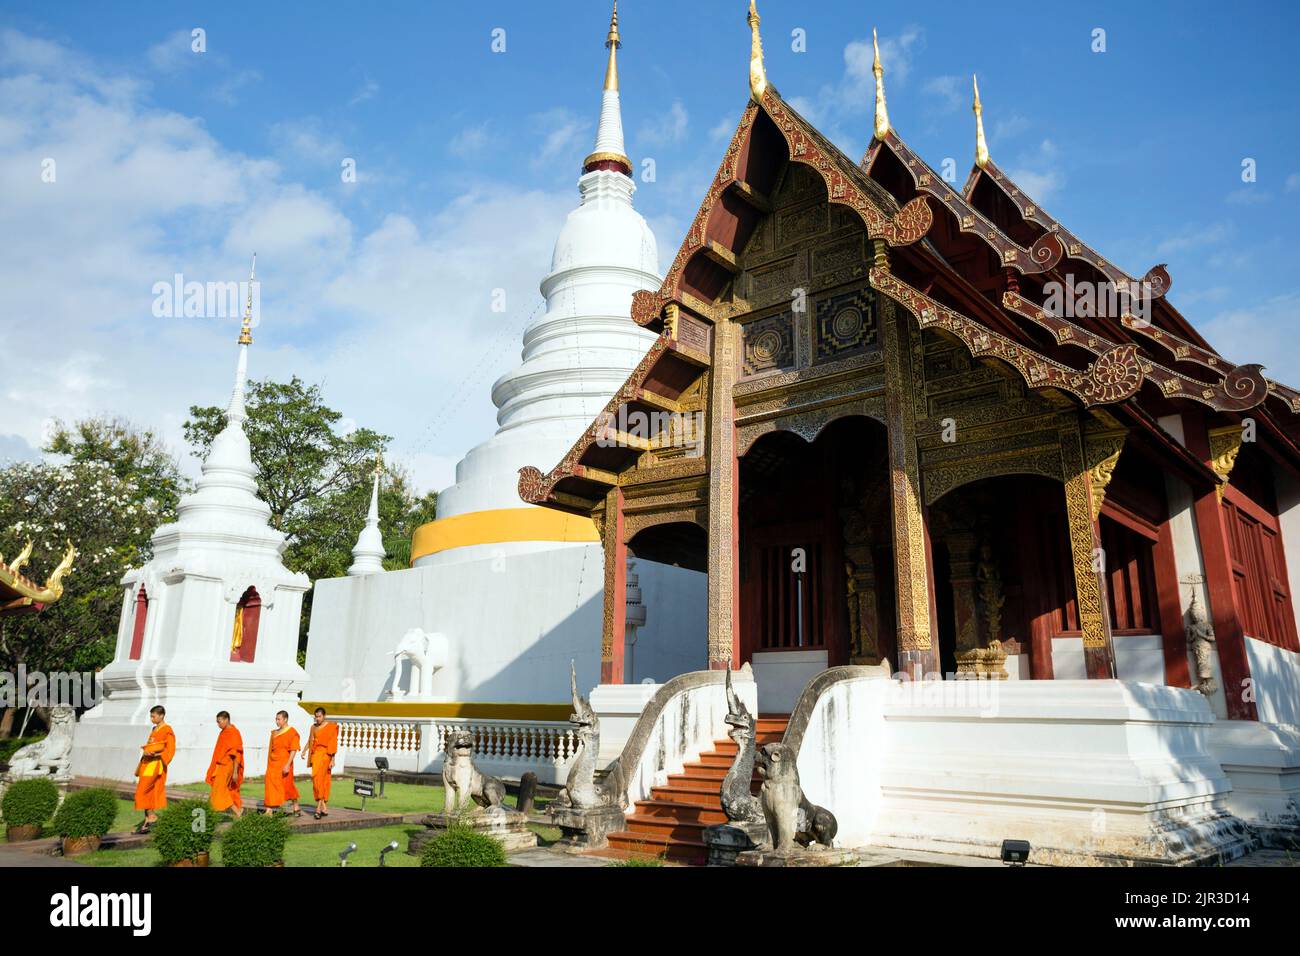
[791,817]
[51,757]
[464,783]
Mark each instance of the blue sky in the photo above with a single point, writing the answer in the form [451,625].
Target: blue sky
[171,161]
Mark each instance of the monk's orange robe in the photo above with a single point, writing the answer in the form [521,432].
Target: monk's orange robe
[324,744]
[226,772]
[151,788]
[280,787]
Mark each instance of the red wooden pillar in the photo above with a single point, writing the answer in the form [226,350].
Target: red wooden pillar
[1212,534]
[1173,632]
[614,627]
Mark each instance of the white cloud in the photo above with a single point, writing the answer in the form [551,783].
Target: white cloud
[174,53]
[1038,173]
[395,321]
[471,141]
[366,91]
[1194,236]
[563,132]
[666,129]
[950,91]
[1293,182]
[1261,333]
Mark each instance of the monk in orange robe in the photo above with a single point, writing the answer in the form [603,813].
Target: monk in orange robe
[226,772]
[321,747]
[158,752]
[283,747]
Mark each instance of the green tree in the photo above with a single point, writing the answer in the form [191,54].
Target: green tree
[114,486]
[316,478]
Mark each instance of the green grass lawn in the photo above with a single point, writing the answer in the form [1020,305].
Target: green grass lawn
[398,797]
[311,849]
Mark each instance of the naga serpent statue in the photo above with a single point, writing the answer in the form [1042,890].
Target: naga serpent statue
[738,803]
[581,791]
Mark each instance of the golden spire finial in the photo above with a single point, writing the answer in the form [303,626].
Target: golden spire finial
[757,74]
[246,331]
[379,464]
[882,114]
[981,147]
[613,43]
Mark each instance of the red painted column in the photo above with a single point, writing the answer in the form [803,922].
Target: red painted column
[1173,631]
[614,630]
[137,632]
[1212,534]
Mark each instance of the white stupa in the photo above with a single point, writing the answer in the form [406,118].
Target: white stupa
[575,356]
[209,624]
[368,553]
[514,590]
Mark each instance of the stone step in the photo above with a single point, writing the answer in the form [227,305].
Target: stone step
[691,831]
[695,796]
[693,812]
[702,771]
[648,844]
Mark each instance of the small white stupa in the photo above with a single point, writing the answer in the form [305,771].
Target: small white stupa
[209,624]
[368,553]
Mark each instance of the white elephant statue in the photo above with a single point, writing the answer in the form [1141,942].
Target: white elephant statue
[51,757]
[427,653]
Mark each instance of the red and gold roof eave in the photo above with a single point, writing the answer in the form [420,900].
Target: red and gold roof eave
[1244,386]
[1238,387]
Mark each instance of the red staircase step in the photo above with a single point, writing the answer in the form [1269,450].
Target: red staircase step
[671,823]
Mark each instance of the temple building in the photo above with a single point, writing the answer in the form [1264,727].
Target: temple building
[938,429]
[512,590]
[210,623]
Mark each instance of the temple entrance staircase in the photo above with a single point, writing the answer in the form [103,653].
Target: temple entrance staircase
[671,823]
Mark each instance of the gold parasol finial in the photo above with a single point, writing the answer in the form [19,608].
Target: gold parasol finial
[757,74]
[612,42]
[245,330]
[882,113]
[981,147]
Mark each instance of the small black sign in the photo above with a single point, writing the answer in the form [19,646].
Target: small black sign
[363,788]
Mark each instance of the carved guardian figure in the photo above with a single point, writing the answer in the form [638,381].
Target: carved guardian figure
[1200,635]
[464,784]
[581,791]
[51,757]
[738,803]
[791,817]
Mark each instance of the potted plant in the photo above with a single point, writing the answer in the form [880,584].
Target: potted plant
[183,834]
[84,818]
[463,846]
[255,840]
[26,807]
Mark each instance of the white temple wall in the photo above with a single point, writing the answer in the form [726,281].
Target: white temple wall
[513,624]
[1138,657]
[1276,675]
[1288,515]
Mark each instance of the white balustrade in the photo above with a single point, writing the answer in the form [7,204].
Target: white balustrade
[504,748]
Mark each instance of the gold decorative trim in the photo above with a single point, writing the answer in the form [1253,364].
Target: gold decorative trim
[1225,445]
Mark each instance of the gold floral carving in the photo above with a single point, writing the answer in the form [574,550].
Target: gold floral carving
[1084,544]
[1225,445]
[1103,455]
[911,575]
[722,525]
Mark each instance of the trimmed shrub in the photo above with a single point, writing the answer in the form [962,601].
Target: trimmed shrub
[86,813]
[254,840]
[465,847]
[183,831]
[30,803]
